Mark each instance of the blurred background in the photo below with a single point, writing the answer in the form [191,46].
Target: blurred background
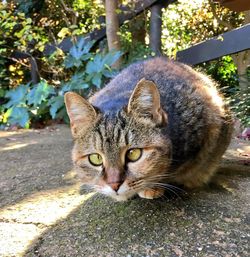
[50,47]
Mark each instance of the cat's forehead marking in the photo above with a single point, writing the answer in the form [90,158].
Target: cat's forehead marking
[109,125]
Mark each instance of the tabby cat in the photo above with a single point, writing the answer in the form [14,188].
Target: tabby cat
[157,123]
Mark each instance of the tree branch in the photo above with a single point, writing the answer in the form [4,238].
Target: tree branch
[219,20]
[70,10]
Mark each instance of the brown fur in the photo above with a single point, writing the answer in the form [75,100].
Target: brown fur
[170,111]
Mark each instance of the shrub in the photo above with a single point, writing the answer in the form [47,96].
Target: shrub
[225,72]
[27,103]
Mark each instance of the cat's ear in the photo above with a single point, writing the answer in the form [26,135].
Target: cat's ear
[81,113]
[145,102]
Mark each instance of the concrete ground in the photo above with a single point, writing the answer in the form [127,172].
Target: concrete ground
[42,213]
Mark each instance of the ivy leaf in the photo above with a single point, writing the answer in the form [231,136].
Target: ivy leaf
[96,65]
[80,48]
[109,73]
[56,103]
[101,63]
[39,93]
[2,92]
[78,85]
[74,84]
[79,52]
[77,82]
[111,57]
[62,114]
[71,62]
[17,96]
[85,57]
[65,88]
[19,116]
[97,79]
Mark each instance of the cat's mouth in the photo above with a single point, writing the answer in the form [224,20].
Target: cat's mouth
[122,194]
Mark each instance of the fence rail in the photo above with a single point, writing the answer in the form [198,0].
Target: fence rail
[231,42]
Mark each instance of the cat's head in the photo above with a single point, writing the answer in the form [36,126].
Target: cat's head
[122,154]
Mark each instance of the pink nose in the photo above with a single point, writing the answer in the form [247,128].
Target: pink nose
[115,186]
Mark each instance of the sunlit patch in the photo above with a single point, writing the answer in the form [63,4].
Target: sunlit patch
[25,221]
[212,91]
[13,146]
[216,99]
[14,237]
[14,133]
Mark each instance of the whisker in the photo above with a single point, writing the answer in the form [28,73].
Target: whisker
[167,175]
[162,196]
[159,176]
[170,190]
[164,186]
[173,187]
[151,187]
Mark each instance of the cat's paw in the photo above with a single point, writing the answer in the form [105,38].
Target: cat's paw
[151,193]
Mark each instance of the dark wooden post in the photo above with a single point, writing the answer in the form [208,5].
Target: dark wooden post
[155,28]
[34,72]
[35,78]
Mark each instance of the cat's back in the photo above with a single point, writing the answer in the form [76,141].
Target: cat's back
[176,82]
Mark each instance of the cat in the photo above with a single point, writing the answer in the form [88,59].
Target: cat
[157,123]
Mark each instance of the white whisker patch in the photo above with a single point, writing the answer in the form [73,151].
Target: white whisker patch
[123,194]
[107,190]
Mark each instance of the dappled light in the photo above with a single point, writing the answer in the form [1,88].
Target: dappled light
[239,150]
[24,221]
[11,140]
[12,134]
[13,146]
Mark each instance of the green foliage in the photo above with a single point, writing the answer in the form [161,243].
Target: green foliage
[29,6]
[240,101]
[21,31]
[27,103]
[137,52]
[186,23]
[224,71]
[240,104]
[16,96]
[134,50]
[39,93]
[78,53]
[27,26]
[19,116]
[17,33]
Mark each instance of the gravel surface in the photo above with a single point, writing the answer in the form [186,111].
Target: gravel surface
[42,213]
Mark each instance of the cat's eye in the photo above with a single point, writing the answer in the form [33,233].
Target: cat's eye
[134,154]
[95,159]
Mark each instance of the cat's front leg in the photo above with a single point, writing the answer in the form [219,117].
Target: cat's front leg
[151,193]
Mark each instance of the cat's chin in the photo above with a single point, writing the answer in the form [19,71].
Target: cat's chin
[121,198]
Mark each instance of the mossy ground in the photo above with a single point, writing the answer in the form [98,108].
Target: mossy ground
[35,184]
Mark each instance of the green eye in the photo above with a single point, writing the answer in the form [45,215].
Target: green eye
[95,159]
[134,154]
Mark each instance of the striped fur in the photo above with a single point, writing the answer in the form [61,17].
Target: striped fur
[171,112]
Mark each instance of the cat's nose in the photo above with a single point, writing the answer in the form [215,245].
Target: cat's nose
[115,186]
